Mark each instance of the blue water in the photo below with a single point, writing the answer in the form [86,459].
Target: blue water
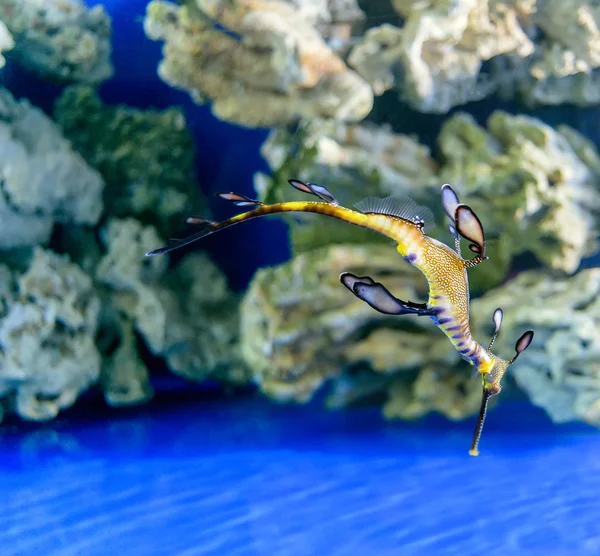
[202,475]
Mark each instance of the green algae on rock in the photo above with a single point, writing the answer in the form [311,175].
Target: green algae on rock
[145,156]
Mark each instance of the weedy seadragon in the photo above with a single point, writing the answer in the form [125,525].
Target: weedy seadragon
[444,268]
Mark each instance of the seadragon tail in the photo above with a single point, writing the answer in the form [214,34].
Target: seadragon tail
[327,206]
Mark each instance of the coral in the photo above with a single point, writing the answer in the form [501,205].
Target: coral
[567,57]
[300,327]
[188,316]
[449,53]
[200,333]
[42,180]
[259,63]
[355,161]
[49,321]
[533,186]
[437,57]
[6,42]
[145,156]
[124,266]
[377,57]
[452,392]
[333,19]
[560,371]
[60,39]
[124,378]
[337,30]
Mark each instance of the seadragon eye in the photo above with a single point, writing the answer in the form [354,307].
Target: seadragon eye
[419,222]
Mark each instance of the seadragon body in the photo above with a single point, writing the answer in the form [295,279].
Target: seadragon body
[443,267]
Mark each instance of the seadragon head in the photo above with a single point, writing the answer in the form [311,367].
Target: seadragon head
[493,373]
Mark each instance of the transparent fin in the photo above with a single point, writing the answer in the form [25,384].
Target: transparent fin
[349,279]
[323,193]
[239,200]
[398,207]
[522,344]
[301,186]
[378,297]
[450,201]
[469,226]
[498,314]
[497,318]
[315,189]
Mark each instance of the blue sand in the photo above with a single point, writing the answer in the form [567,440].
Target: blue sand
[240,476]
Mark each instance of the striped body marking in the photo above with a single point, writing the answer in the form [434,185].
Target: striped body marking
[443,267]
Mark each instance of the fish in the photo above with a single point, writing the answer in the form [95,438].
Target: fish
[444,267]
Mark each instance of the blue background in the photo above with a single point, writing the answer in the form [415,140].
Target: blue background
[198,473]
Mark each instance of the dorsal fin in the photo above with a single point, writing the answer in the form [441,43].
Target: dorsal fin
[398,207]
